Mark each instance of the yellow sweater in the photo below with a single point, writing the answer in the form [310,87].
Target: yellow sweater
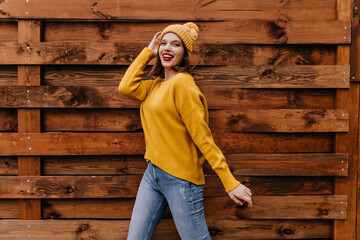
[175,118]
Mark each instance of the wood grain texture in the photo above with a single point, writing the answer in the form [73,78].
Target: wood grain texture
[271,186]
[29,119]
[8,120]
[354,47]
[274,31]
[111,53]
[110,230]
[183,10]
[32,187]
[284,207]
[347,142]
[38,144]
[9,74]
[294,46]
[240,164]
[265,207]
[109,97]
[9,166]
[215,59]
[355,76]
[9,31]
[204,55]
[269,207]
[121,208]
[9,208]
[279,120]
[264,76]
[270,76]
[287,164]
[260,76]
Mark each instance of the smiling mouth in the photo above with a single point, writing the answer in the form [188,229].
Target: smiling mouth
[167,57]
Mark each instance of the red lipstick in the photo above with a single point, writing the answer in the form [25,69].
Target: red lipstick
[167,57]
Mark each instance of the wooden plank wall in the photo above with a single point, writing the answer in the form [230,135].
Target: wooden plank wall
[283,108]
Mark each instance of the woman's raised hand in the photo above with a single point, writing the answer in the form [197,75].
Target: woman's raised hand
[155,42]
[241,195]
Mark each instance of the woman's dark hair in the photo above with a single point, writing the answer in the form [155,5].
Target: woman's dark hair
[184,66]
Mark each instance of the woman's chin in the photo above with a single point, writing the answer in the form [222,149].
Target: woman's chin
[167,65]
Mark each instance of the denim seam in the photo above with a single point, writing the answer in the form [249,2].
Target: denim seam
[193,207]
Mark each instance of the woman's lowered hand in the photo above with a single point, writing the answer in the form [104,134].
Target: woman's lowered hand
[241,195]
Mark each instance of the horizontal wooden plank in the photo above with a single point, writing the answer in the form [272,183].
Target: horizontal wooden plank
[9,30]
[8,120]
[109,97]
[294,207]
[69,187]
[37,144]
[71,143]
[269,76]
[265,76]
[236,98]
[8,73]
[13,187]
[238,229]
[9,208]
[183,10]
[249,31]
[209,58]
[269,207]
[329,164]
[9,166]
[274,186]
[280,120]
[251,120]
[110,230]
[112,53]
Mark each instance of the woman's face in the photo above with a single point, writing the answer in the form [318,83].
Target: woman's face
[171,50]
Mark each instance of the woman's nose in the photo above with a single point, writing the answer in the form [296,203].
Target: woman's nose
[167,47]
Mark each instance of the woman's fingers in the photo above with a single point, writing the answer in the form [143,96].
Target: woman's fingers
[236,200]
[240,198]
[248,191]
[157,35]
[241,195]
[248,200]
[155,42]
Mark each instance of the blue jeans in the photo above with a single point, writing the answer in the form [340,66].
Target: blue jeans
[159,189]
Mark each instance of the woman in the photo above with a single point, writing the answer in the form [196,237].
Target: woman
[174,117]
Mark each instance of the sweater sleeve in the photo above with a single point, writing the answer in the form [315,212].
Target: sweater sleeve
[131,85]
[192,107]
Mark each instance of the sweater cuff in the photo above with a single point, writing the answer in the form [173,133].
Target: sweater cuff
[228,180]
[144,57]
[147,53]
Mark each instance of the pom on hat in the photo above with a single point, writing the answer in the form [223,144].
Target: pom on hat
[187,32]
[192,25]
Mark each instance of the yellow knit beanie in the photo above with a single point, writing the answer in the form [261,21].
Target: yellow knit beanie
[188,33]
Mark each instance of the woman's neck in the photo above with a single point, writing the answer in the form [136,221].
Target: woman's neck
[169,73]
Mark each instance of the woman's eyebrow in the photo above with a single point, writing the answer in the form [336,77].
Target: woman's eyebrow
[171,41]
